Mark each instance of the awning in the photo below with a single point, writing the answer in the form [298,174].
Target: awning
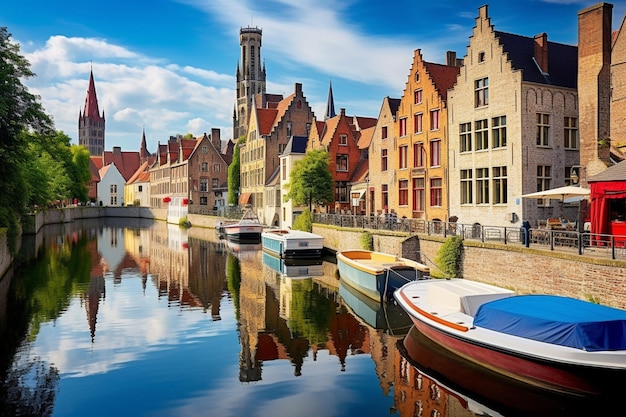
[360,192]
[244,198]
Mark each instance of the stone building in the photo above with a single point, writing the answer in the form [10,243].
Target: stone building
[91,124]
[273,121]
[513,127]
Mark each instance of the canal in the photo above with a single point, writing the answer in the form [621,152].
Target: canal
[126,317]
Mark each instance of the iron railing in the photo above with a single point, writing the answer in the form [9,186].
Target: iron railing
[590,244]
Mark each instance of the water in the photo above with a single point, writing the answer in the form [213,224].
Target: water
[120,318]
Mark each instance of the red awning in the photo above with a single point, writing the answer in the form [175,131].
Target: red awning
[244,198]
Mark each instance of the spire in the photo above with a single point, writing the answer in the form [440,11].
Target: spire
[143,153]
[91,101]
[330,104]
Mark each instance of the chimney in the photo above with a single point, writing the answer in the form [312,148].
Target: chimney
[451,60]
[541,52]
[216,140]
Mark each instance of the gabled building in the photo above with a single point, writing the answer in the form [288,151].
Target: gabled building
[272,123]
[208,172]
[111,186]
[382,153]
[513,126]
[294,151]
[421,163]
[137,188]
[340,137]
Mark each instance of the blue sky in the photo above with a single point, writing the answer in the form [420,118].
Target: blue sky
[169,65]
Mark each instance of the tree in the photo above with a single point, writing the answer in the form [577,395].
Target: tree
[234,179]
[19,111]
[310,180]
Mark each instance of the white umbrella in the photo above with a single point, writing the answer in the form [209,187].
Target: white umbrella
[560,193]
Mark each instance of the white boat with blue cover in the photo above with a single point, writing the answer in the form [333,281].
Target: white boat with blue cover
[293,244]
[556,342]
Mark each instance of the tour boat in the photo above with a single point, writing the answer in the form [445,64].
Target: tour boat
[551,341]
[377,274]
[248,228]
[296,244]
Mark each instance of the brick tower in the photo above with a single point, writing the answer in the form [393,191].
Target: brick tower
[250,78]
[90,123]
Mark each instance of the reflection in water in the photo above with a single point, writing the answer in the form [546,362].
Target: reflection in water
[431,380]
[158,320]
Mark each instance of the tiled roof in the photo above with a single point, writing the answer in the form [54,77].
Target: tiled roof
[296,144]
[443,76]
[265,120]
[126,162]
[364,122]
[140,175]
[614,173]
[366,137]
[562,60]
[361,171]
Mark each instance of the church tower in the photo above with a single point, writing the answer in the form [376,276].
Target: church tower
[90,123]
[250,78]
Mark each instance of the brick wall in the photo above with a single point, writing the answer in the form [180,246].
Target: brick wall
[524,270]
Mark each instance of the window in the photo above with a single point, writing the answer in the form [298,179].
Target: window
[385,195]
[403,192]
[383,160]
[343,140]
[342,163]
[403,127]
[481,134]
[417,122]
[481,57]
[204,185]
[283,169]
[544,175]
[481,92]
[418,194]
[417,77]
[215,182]
[465,136]
[205,149]
[140,188]
[341,191]
[403,154]
[466,186]
[434,119]
[114,200]
[384,132]
[217,168]
[204,166]
[435,153]
[543,130]
[482,185]
[571,132]
[498,131]
[436,192]
[204,201]
[418,155]
[499,185]
[113,189]
[417,97]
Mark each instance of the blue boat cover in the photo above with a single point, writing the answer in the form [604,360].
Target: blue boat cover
[558,320]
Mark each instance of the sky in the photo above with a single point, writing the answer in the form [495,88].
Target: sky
[168,67]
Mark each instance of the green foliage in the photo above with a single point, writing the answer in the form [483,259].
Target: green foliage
[367,241]
[136,203]
[234,173]
[304,221]
[19,111]
[184,223]
[310,180]
[448,259]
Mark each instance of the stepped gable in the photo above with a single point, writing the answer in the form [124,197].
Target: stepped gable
[562,65]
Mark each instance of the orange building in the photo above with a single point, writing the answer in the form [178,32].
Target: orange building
[421,163]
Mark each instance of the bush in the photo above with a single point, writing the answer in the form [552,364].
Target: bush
[184,223]
[448,259]
[304,221]
[367,241]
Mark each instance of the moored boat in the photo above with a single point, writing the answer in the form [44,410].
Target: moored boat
[294,269]
[296,244]
[555,342]
[377,274]
[248,228]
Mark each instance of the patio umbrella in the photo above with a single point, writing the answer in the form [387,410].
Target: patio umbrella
[560,193]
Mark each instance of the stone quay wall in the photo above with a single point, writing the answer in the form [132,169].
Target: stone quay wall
[524,270]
